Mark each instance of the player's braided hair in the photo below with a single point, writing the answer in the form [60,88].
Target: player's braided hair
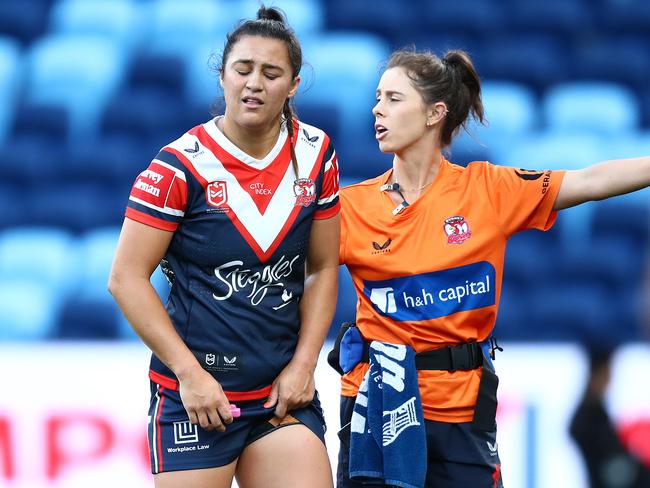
[272,23]
[452,80]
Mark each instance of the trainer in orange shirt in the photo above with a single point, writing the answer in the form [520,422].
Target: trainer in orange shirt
[425,243]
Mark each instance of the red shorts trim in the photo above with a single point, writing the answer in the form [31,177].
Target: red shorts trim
[233,396]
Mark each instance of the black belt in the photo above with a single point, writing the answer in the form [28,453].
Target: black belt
[452,358]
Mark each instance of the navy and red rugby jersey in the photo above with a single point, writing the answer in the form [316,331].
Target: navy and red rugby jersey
[241,236]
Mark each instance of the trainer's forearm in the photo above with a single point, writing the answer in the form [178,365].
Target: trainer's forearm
[145,312]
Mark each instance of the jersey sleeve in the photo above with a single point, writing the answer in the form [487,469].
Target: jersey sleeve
[328,201]
[159,195]
[523,199]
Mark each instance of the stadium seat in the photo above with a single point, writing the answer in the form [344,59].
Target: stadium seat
[623,16]
[40,254]
[619,59]
[623,219]
[480,18]
[76,71]
[358,15]
[12,214]
[560,18]
[612,261]
[535,60]
[572,311]
[95,249]
[87,318]
[600,108]
[33,149]
[75,206]
[178,27]
[117,20]
[10,80]
[29,309]
[24,21]
[155,117]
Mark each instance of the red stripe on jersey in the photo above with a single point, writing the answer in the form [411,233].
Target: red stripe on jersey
[233,396]
[328,212]
[159,440]
[150,220]
[260,184]
[262,256]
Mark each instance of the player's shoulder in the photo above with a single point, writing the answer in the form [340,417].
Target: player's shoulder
[310,134]
[187,144]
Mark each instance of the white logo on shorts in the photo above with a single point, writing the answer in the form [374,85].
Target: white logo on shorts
[185,432]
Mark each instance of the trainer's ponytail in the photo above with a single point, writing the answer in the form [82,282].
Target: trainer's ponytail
[464,97]
[452,80]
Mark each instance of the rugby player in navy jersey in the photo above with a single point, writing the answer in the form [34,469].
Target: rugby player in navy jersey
[242,213]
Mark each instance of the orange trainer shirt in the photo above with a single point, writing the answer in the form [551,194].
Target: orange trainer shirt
[431,276]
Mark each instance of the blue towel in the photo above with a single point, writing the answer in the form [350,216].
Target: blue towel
[388,437]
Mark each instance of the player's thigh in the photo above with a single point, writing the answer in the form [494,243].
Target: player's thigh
[290,457]
[220,477]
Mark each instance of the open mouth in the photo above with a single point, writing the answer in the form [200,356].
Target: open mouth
[252,102]
[380,131]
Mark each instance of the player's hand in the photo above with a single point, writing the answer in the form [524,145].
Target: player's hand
[204,400]
[293,388]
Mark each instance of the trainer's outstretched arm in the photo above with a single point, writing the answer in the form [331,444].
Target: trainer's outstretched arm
[603,180]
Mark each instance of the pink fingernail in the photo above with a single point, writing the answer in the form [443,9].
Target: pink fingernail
[235,411]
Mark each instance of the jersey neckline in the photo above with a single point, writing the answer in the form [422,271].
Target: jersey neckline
[220,138]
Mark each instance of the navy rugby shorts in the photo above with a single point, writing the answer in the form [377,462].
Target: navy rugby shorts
[176,444]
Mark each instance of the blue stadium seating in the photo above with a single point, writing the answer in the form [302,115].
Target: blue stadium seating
[561,18]
[177,27]
[43,255]
[77,71]
[95,249]
[25,21]
[29,309]
[623,16]
[596,107]
[623,219]
[621,59]
[75,206]
[83,317]
[117,20]
[358,15]
[480,18]
[33,150]
[12,214]
[536,60]
[10,76]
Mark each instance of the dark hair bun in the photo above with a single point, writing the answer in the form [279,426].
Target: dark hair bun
[270,13]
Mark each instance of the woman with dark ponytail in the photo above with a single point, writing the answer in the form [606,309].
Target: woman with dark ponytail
[425,243]
[242,214]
